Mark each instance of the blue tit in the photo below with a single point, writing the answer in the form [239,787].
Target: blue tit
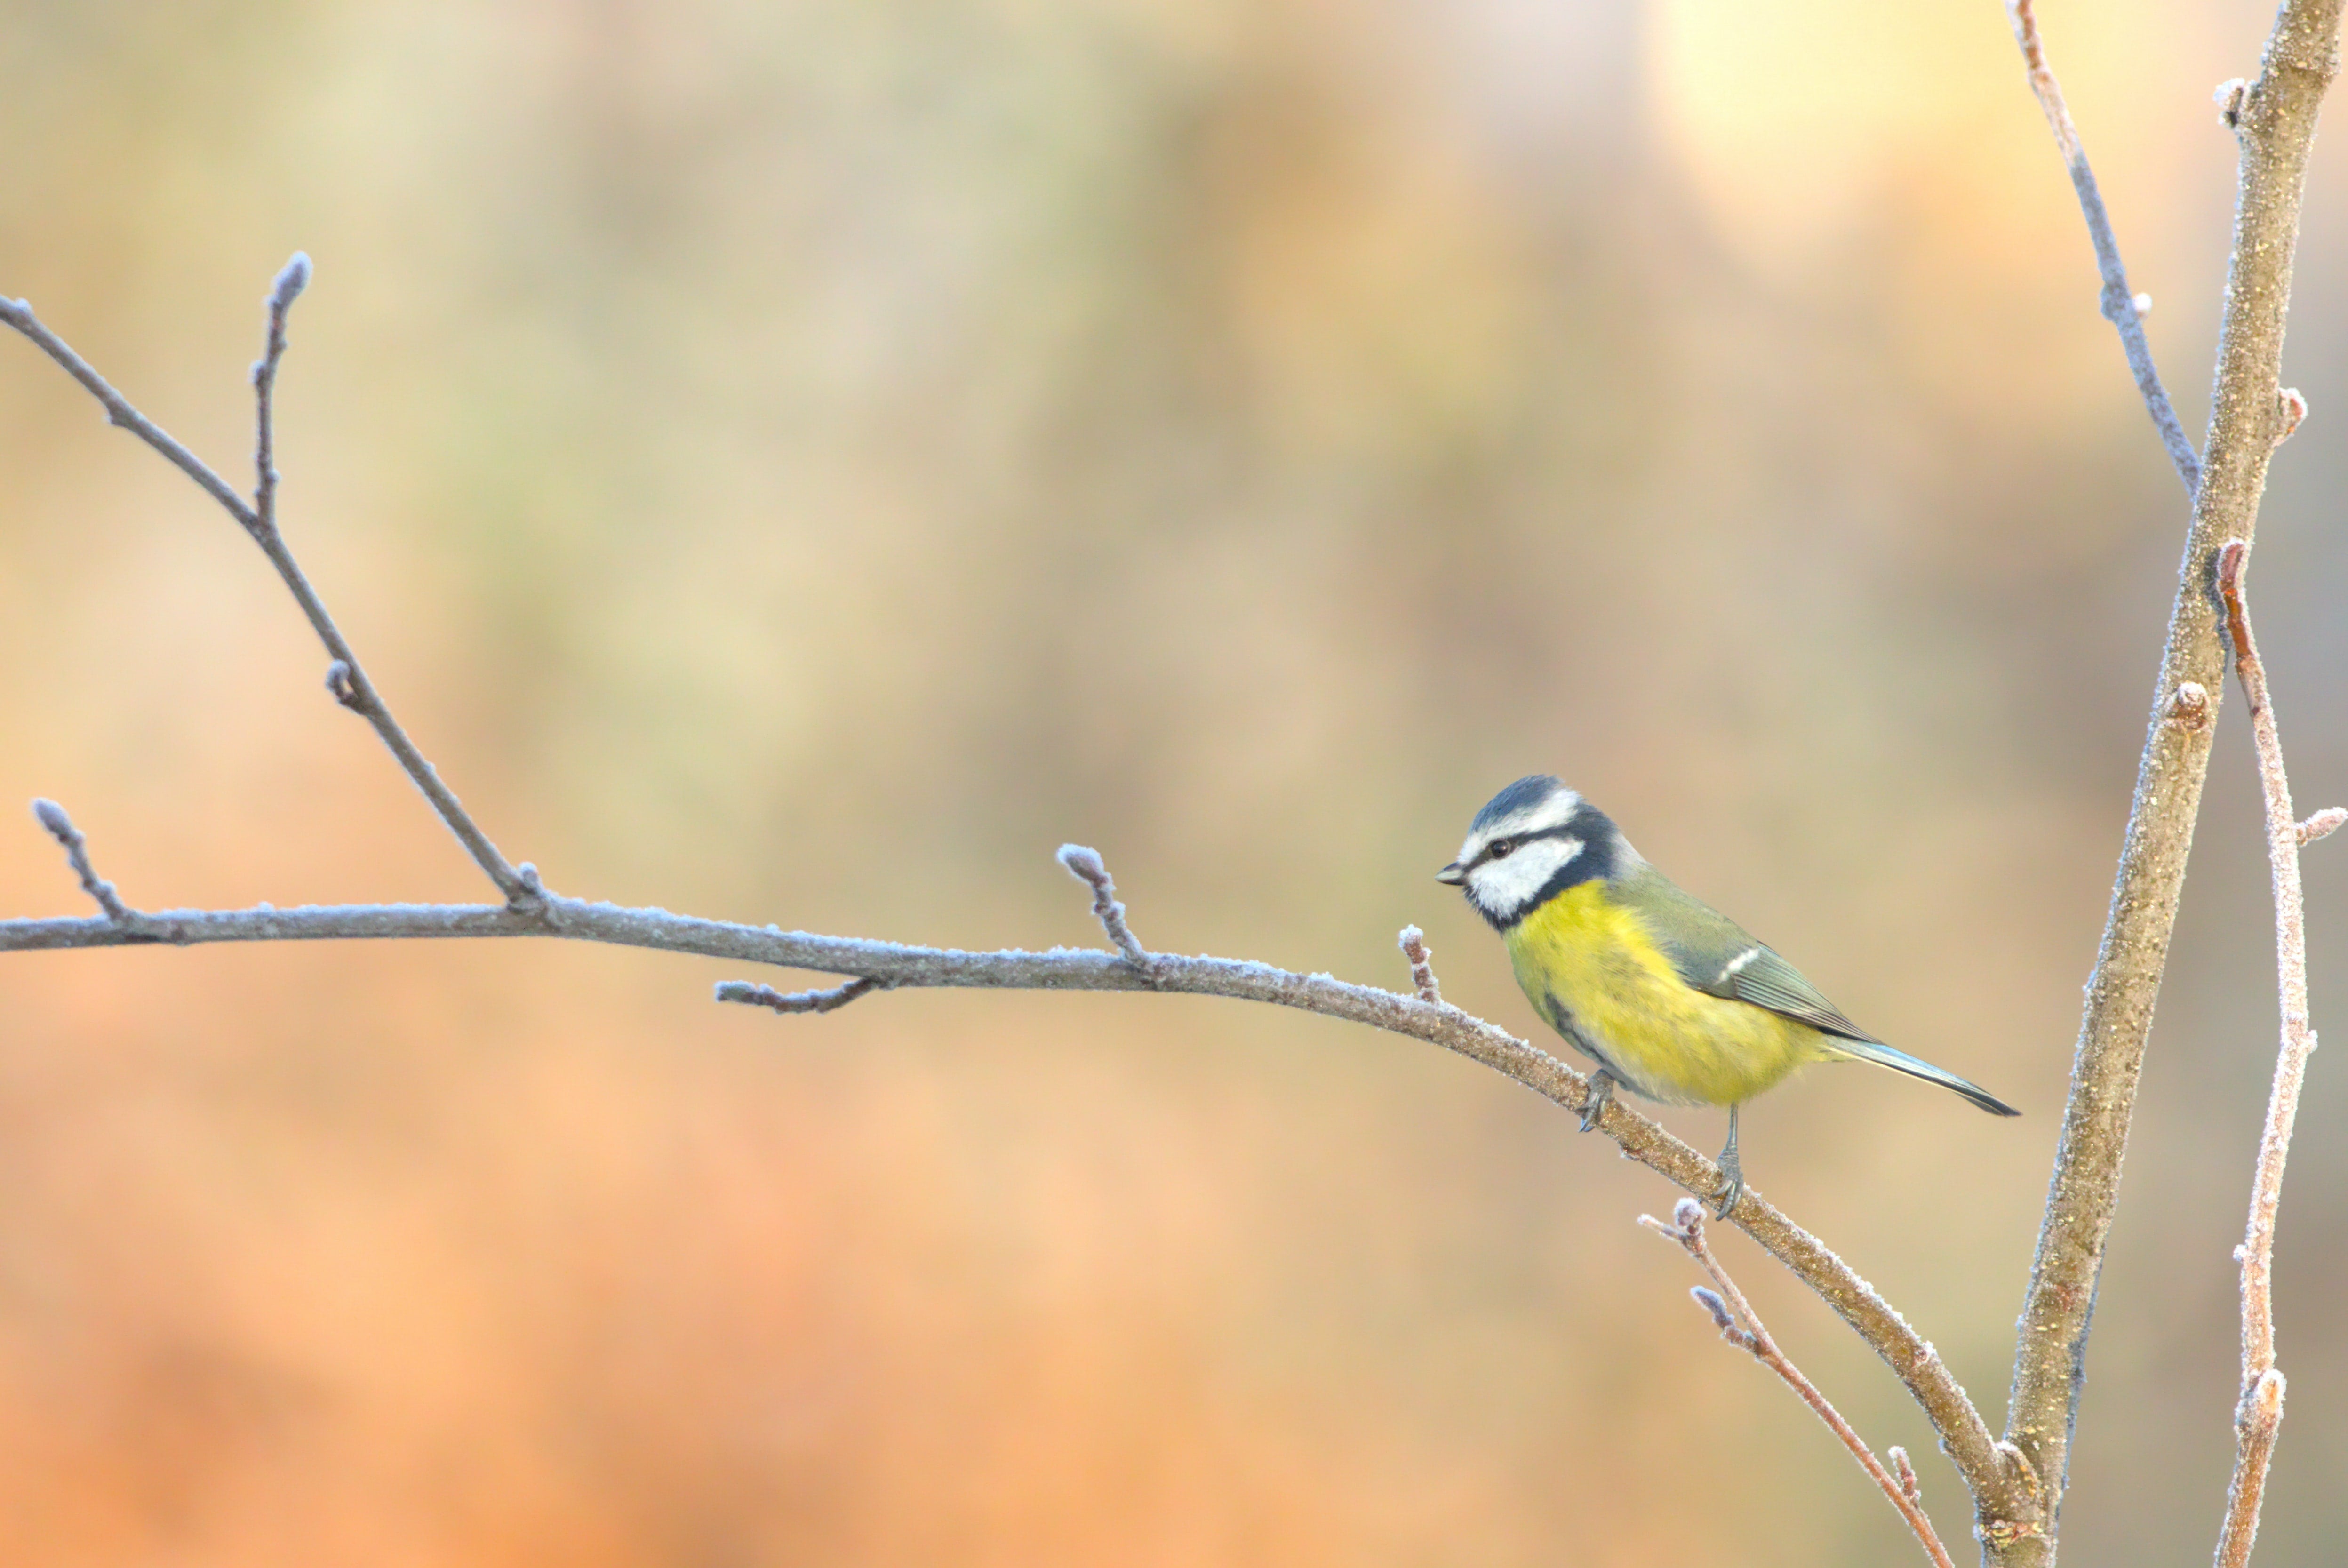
[1671,998]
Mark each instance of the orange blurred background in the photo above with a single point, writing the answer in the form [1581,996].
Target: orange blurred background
[804,462]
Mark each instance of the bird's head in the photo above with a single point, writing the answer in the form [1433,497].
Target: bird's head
[1531,842]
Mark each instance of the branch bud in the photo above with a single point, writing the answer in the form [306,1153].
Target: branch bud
[2188,705]
[2322,824]
[292,279]
[53,816]
[2229,99]
[1709,1299]
[2293,408]
[1413,943]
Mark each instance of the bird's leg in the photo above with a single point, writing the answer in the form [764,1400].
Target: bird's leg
[1731,1171]
[1602,1095]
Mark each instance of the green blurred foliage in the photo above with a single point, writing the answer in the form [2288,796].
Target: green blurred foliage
[803,462]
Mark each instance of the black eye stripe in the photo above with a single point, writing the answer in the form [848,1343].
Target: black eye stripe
[1509,844]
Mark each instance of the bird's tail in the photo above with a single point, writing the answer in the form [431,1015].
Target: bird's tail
[1900,1061]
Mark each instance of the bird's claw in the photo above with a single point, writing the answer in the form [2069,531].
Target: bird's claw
[1601,1096]
[1732,1189]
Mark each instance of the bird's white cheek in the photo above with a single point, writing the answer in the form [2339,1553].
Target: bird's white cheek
[1501,888]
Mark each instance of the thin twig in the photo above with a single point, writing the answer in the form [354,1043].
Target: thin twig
[2259,1416]
[61,827]
[825,1001]
[363,697]
[1087,867]
[292,279]
[2121,306]
[1413,943]
[1912,1489]
[18,314]
[1741,1326]
[2275,125]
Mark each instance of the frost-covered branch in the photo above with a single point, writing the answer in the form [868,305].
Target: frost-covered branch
[61,827]
[894,967]
[1741,1326]
[2273,120]
[259,518]
[2259,1416]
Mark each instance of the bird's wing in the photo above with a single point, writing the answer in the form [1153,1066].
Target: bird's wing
[1719,958]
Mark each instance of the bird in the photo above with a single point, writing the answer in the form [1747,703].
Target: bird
[1673,1000]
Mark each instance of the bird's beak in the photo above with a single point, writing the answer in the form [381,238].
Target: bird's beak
[1453,873]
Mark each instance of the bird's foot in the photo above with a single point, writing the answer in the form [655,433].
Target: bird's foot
[1732,1172]
[1732,1187]
[1601,1096]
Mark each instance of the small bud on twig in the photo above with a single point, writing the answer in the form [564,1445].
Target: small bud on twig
[2261,1406]
[1905,1473]
[1709,1299]
[2188,705]
[2322,824]
[1087,867]
[1413,943]
[292,279]
[2227,97]
[2293,408]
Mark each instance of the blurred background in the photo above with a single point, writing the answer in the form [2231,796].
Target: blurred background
[804,462]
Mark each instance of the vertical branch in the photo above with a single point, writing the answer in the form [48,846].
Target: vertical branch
[2259,1416]
[2274,127]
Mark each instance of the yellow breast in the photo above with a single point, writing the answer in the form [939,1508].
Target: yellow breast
[1594,971]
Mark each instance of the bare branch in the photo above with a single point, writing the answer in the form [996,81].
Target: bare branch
[1912,1358]
[1087,866]
[1742,1326]
[61,827]
[2274,118]
[2124,308]
[2258,1418]
[1413,943]
[825,1001]
[261,525]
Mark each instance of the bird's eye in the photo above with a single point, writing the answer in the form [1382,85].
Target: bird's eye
[1501,849]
